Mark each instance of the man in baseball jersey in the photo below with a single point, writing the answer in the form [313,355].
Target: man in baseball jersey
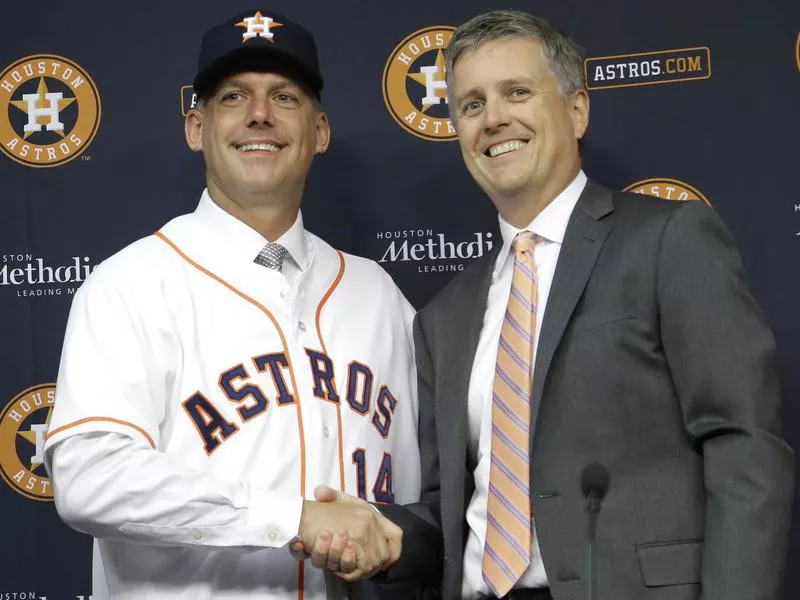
[216,372]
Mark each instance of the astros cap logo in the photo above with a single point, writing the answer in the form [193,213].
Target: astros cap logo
[49,110]
[668,189]
[414,86]
[258,26]
[23,425]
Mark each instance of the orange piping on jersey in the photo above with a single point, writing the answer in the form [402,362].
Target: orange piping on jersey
[301,570]
[106,419]
[325,350]
[266,311]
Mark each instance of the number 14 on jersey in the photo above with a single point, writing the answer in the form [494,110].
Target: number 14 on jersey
[382,488]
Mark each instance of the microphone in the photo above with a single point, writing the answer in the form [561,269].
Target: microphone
[595,480]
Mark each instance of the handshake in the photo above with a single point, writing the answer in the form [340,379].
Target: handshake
[346,535]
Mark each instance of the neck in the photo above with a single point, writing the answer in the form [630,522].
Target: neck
[269,215]
[520,212]
[522,208]
[270,221]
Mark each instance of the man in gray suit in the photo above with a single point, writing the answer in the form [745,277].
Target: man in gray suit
[646,354]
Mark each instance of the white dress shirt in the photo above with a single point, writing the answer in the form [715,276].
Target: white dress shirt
[550,225]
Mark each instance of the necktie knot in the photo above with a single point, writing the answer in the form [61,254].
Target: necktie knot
[524,241]
[271,256]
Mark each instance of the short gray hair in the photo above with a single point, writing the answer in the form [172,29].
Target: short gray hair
[562,56]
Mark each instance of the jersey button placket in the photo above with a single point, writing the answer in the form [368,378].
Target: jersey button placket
[302,338]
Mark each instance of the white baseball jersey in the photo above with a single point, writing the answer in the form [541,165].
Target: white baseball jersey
[202,396]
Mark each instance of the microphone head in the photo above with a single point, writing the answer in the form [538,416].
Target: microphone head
[595,480]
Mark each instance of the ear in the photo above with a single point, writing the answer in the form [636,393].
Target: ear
[323,133]
[579,112]
[193,129]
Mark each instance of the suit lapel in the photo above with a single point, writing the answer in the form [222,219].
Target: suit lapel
[586,232]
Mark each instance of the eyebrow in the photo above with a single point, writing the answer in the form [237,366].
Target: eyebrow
[477,90]
[283,85]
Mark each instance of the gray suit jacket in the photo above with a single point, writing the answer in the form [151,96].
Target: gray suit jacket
[653,360]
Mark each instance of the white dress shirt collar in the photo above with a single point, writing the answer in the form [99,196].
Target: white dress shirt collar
[245,241]
[550,224]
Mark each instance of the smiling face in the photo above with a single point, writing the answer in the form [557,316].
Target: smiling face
[258,133]
[518,136]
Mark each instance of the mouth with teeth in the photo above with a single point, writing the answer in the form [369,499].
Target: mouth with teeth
[505,148]
[264,147]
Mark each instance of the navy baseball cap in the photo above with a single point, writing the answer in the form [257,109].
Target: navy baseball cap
[260,41]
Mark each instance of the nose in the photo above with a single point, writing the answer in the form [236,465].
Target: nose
[496,114]
[260,111]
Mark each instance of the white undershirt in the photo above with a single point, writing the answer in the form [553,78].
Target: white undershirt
[550,225]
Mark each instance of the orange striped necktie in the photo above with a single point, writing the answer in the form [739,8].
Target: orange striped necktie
[507,552]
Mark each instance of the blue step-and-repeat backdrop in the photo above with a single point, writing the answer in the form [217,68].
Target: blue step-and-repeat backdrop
[691,101]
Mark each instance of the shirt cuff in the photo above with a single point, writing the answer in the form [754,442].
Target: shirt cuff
[274,518]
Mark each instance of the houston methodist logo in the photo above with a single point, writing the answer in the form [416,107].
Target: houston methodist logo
[23,425]
[30,276]
[433,252]
[668,189]
[414,87]
[49,110]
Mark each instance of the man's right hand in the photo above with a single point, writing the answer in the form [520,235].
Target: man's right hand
[364,541]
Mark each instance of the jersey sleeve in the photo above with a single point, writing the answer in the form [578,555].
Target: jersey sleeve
[117,487]
[116,363]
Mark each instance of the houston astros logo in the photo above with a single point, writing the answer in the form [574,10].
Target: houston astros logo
[258,26]
[414,87]
[49,110]
[668,189]
[23,425]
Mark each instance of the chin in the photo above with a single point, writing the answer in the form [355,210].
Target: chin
[258,184]
[509,189]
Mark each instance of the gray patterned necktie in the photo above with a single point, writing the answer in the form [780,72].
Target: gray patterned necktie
[271,256]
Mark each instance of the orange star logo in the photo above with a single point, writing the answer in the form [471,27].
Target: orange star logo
[432,77]
[40,102]
[258,26]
